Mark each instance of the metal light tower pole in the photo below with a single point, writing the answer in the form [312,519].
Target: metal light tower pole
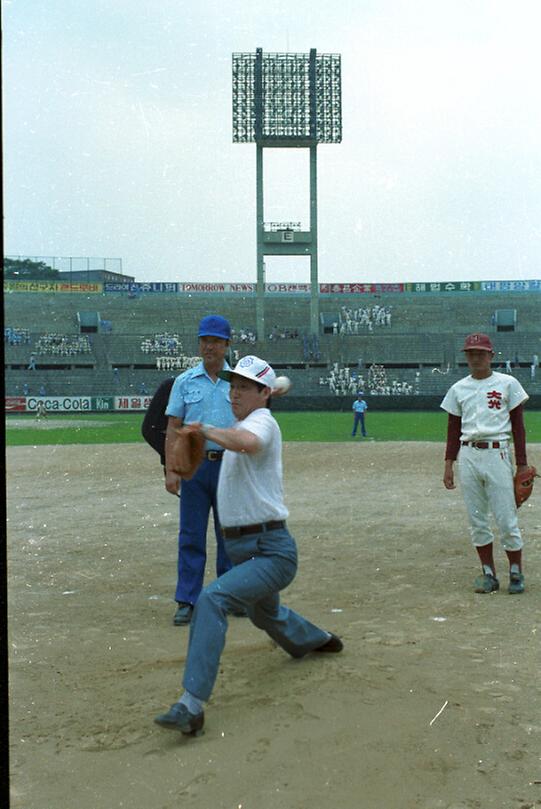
[287,100]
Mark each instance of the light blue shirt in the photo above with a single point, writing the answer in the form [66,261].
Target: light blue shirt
[360,406]
[195,397]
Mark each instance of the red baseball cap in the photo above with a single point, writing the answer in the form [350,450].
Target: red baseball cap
[479,342]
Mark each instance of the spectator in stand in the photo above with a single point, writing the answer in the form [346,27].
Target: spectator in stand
[32,363]
[243,336]
[165,343]
[353,320]
[533,367]
[63,344]
[15,336]
[282,333]
[342,382]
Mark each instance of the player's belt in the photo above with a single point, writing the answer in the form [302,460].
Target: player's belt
[259,528]
[483,444]
[214,454]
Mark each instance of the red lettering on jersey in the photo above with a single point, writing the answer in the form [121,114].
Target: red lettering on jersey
[494,400]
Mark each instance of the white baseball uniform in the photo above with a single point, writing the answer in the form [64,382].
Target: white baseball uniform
[486,474]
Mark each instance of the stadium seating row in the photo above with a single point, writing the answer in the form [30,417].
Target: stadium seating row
[419,346]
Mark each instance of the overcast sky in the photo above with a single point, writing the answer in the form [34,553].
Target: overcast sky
[118,137]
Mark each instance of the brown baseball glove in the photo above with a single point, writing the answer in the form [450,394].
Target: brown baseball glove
[524,484]
[187,452]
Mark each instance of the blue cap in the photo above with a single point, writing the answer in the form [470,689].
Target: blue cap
[214,326]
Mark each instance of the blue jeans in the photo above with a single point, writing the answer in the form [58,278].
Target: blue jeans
[197,498]
[359,419]
[263,564]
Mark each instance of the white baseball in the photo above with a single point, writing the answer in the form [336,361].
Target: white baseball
[281,385]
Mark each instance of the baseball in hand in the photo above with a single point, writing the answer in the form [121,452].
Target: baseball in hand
[281,386]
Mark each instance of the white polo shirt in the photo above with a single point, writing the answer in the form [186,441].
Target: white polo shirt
[250,486]
[484,405]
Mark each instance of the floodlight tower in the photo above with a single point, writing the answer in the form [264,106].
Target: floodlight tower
[287,100]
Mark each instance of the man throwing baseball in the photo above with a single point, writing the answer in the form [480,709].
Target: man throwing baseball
[263,552]
[485,409]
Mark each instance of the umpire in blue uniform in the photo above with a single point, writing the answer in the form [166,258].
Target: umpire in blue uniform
[199,394]
[359,408]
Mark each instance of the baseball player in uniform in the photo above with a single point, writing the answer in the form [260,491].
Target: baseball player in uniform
[264,554]
[485,409]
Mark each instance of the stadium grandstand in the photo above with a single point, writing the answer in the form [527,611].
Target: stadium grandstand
[400,343]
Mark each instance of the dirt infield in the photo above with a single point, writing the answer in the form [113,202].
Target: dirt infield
[434,703]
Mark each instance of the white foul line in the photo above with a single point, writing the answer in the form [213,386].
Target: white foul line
[441,710]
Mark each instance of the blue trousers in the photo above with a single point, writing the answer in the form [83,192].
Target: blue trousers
[359,419]
[263,564]
[197,498]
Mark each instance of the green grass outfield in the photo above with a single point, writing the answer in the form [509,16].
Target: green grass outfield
[122,428]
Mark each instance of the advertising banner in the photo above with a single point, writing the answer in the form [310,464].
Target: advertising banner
[76,404]
[204,287]
[192,287]
[15,404]
[288,289]
[60,404]
[51,286]
[137,288]
[358,288]
[444,286]
[132,402]
[511,286]
[103,403]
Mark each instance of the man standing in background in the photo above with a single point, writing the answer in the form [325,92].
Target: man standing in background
[359,408]
[199,394]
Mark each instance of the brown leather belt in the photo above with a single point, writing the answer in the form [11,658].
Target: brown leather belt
[214,454]
[483,444]
[259,528]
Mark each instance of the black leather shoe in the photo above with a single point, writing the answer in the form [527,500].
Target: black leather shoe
[334,644]
[178,717]
[183,615]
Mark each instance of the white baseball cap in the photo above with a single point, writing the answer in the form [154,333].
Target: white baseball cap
[252,368]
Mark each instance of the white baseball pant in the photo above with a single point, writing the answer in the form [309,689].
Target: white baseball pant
[486,479]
